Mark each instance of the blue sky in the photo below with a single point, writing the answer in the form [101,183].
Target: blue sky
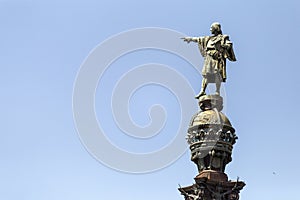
[44,43]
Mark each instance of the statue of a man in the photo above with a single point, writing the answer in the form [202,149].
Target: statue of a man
[215,49]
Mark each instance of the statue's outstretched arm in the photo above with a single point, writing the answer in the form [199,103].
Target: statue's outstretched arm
[190,39]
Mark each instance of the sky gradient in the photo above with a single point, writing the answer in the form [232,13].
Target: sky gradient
[44,43]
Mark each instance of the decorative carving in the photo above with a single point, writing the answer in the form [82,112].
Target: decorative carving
[210,134]
[211,190]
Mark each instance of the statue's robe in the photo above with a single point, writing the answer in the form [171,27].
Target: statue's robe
[215,50]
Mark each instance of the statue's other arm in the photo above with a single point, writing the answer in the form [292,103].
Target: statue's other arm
[227,45]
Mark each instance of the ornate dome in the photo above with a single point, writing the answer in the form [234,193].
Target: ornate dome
[210,117]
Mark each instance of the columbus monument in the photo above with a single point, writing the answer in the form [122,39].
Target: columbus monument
[210,134]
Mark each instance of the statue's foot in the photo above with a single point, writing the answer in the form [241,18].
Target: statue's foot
[218,93]
[199,95]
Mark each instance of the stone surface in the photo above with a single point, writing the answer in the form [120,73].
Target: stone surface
[212,175]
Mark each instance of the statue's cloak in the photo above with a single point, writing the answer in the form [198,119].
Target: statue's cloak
[215,50]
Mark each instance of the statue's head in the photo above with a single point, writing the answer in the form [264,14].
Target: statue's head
[215,28]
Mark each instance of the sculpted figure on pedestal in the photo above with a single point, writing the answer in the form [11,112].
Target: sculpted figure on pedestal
[215,49]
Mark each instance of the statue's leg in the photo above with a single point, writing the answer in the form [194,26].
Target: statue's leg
[218,84]
[203,88]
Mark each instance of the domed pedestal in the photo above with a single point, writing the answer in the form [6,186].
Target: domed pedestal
[211,138]
[211,135]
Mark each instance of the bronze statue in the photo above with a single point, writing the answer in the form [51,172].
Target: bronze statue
[198,194]
[215,49]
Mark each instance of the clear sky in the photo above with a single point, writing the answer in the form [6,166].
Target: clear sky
[43,46]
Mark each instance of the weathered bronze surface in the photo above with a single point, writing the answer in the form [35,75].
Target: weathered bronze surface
[215,49]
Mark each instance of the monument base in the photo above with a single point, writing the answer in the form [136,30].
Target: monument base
[212,185]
